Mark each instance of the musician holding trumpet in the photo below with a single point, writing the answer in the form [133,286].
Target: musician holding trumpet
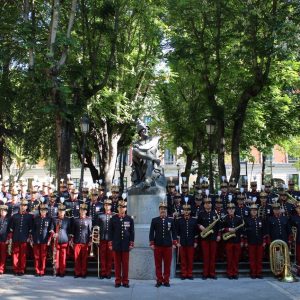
[295,221]
[208,222]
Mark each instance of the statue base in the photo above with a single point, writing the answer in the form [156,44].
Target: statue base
[143,206]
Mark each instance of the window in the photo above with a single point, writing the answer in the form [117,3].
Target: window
[169,157]
[292,159]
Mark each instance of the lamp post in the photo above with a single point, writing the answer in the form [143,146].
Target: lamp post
[210,125]
[84,125]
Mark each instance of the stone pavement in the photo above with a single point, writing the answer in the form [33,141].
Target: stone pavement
[30,287]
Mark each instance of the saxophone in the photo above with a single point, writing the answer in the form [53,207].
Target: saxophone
[228,235]
[209,229]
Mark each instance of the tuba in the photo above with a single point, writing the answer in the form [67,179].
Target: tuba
[228,235]
[280,261]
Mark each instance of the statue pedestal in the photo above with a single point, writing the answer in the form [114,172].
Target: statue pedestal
[143,207]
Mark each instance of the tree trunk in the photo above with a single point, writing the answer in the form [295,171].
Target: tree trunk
[263,168]
[188,166]
[221,149]
[89,164]
[63,143]
[122,168]
[1,157]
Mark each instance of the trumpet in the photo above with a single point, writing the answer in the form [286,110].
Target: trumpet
[228,235]
[291,199]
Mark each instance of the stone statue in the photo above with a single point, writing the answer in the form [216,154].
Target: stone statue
[146,168]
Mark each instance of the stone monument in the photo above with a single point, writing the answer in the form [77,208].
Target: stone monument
[144,196]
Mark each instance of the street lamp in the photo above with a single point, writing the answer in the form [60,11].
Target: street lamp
[210,125]
[84,125]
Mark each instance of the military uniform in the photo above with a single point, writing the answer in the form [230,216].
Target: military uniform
[162,235]
[4,230]
[106,255]
[82,230]
[209,243]
[94,209]
[233,245]
[52,210]
[13,208]
[255,234]
[41,236]
[279,228]
[33,207]
[20,227]
[187,234]
[62,227]
[295,221]
[121,239]
[72,208]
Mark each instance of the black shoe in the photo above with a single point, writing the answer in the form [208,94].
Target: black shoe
[108,277]
[83,276]
[183,278]
[259,277]
[167,284]
[204,277]
[101,277]
[158,284]
[62,275]
[126,285]
[190,278]
[21,274]
[253,277]
[36,275]
[230,277]
[235,277]
[76,276]
[117,285]
[214,277]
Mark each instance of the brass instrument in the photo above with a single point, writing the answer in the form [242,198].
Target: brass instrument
[96,240]
[209,229]
[228,235]
[280,261]
[9,247]
[291,199]
[55,240]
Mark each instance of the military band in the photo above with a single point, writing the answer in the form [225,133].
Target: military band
[222,226]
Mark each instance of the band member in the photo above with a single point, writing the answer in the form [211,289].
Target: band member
[20,228]
[197,206]
[41,235]
[187,234]
[72,205]
[121,241]
[33,202]
[94,207]
[232,244]
[255,234]
[291,189]
[241,209]
[295,221]
[13,205]
[209,243]
[170,195]
[278,226]
[4,230]
[286,208]
[253,192]
[62,229]
[264,209]
[185,194]
[106,254]
[162,237]
[82,230]
[177,207]
[53,206]
[101,196]
[85,195]
[115,198]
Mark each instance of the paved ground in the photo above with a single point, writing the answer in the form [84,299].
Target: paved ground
[30,287]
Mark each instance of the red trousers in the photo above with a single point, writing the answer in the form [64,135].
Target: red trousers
[255,259]
[121,261]
[81,252]
[186,260]
[233,255]
[209,249]
[221,251]
[61,257]
[3,255]
[163,255]
[40,256]
[19,251]
[106,256]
